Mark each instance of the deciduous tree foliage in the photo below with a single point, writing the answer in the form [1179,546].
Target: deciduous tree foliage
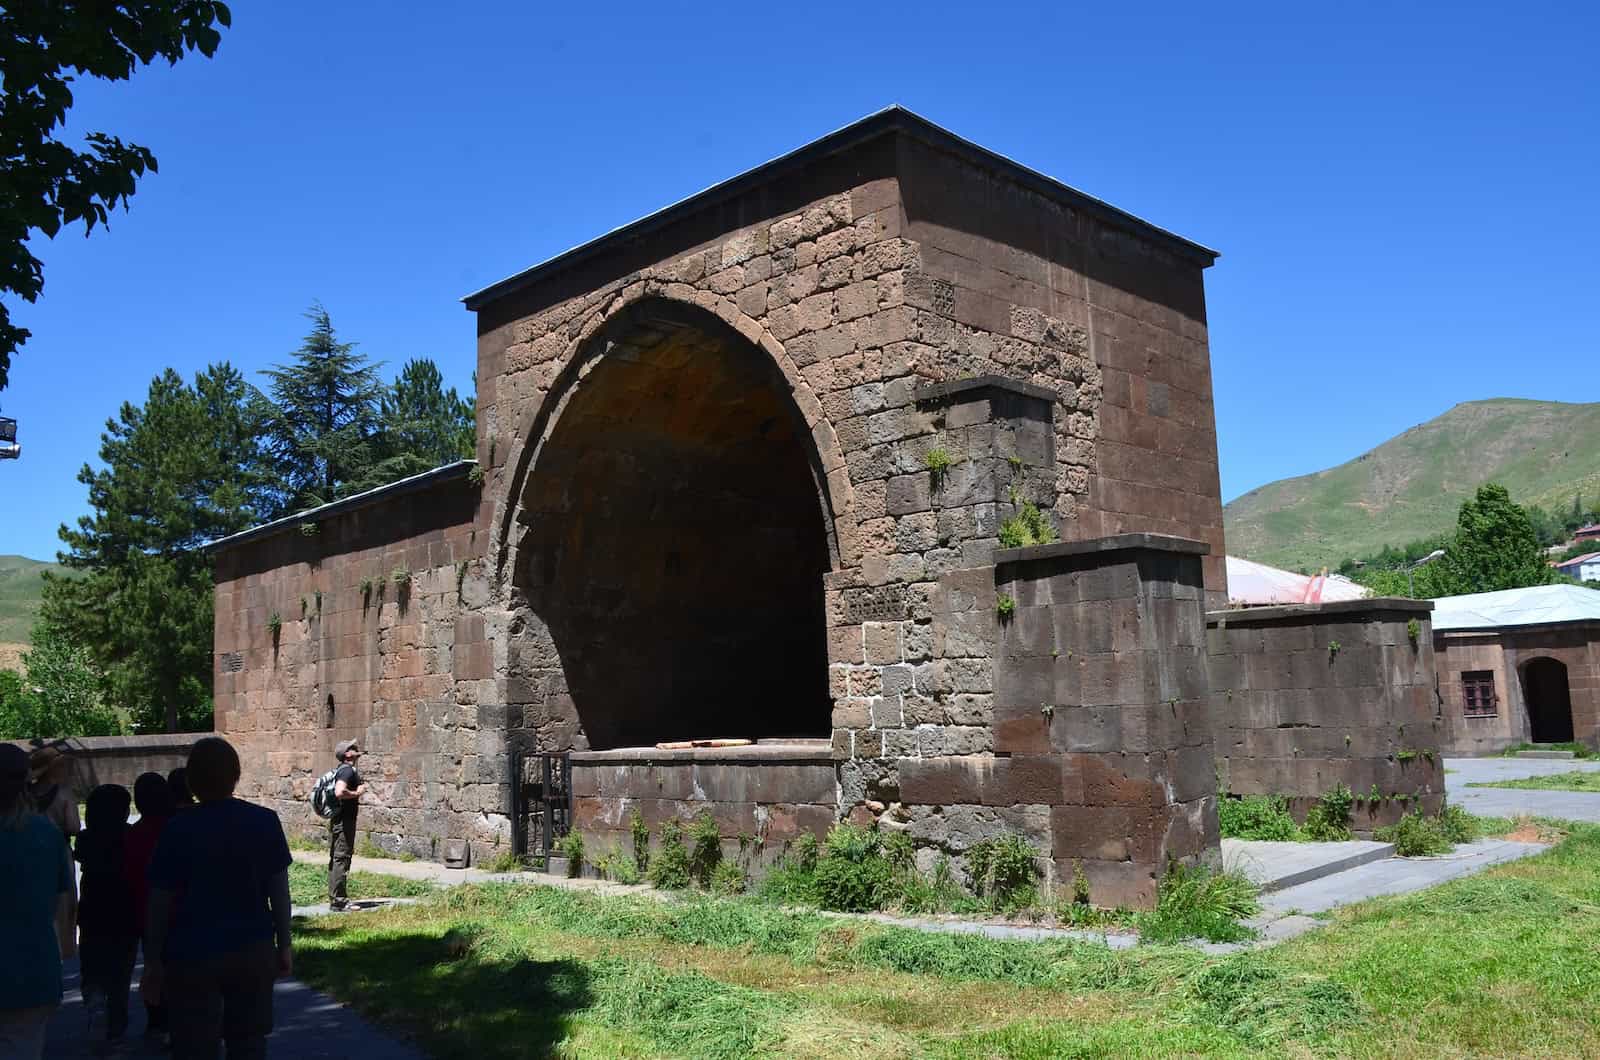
[1495,545]
[184,468]
[60,696]
[46,185]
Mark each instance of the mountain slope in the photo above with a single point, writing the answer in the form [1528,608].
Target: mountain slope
[1544,452]
[20,589]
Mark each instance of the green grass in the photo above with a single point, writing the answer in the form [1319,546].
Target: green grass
[1579,750]
[1412,485]
[308,885]
[1497,964]
[20,591]
[1577,780]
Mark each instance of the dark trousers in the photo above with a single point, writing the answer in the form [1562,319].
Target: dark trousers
[222,999]
[341,848]
[106,963]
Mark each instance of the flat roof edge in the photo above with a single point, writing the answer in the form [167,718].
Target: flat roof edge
[893,119]
[410,484]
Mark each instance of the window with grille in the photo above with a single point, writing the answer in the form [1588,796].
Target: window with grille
[1477,688]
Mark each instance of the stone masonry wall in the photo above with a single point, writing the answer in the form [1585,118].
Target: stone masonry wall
[377,642]
[1095,743]
[1305,698]
[100,760]
[762,797]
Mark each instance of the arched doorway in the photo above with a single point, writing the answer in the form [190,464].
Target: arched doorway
[675,540]
[1544,690]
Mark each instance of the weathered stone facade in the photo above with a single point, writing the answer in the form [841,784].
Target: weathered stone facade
[1096,744]
[1309,697]
[740,462]
[376,640]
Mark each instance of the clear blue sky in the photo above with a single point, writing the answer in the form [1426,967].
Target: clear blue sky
[1404,198]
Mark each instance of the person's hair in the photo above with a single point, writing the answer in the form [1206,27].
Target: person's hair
[178,788]
[213,769]
[106,808]
[152,795]
[14,805]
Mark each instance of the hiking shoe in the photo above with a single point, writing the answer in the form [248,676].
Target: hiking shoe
[341,906]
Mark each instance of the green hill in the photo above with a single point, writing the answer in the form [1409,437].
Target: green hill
[1544,452]
[20,587]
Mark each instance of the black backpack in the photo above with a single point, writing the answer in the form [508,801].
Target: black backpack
[323,800]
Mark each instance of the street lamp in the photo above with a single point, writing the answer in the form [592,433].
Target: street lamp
[9,449]
[1411,586]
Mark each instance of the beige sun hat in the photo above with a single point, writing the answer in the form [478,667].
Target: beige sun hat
[42,760]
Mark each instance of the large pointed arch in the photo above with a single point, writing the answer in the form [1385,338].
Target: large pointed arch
[675,512]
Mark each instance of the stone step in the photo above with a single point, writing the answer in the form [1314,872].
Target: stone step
[1545,754]
[1274,866]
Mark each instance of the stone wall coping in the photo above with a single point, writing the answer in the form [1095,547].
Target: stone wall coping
[892,120]
[1245,616]
[89,745]
[816,753]
[941,391]
[1114,543]
[385,493]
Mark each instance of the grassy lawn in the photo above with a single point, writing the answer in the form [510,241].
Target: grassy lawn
[1579,750]
[1577,780]
[1501,963]
[308,885]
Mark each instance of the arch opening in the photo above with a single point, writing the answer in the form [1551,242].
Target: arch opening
[674,540]
[1548,699]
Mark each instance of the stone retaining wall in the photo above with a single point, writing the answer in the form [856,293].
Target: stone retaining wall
[118,759]
[1308,697]
[761,796]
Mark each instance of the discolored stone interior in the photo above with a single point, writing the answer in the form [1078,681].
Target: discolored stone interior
[676,543]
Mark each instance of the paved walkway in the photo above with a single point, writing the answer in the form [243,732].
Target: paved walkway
[308,1026]
[1514,802]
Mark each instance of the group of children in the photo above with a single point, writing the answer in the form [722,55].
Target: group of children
[114,861]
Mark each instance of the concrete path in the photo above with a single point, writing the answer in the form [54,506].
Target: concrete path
[1273,866]
[1395,876]
[308,1026]
[1514,802]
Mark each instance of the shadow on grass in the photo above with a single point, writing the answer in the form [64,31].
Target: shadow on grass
[432,987]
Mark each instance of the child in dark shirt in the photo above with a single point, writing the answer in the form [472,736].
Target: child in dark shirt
[107,926]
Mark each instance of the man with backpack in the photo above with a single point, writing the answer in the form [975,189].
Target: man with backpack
[346,787]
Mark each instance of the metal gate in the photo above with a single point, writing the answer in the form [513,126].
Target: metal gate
[541,802]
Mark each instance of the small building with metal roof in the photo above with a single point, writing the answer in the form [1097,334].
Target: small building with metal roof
[1518,666]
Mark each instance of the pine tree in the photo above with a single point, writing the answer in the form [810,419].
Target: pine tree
[182,469]
[324,420]
[422,425]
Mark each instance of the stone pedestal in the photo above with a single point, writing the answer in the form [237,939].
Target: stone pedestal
[1101,681]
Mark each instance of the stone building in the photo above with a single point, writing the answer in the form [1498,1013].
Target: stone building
[742,472]
[1519,666]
